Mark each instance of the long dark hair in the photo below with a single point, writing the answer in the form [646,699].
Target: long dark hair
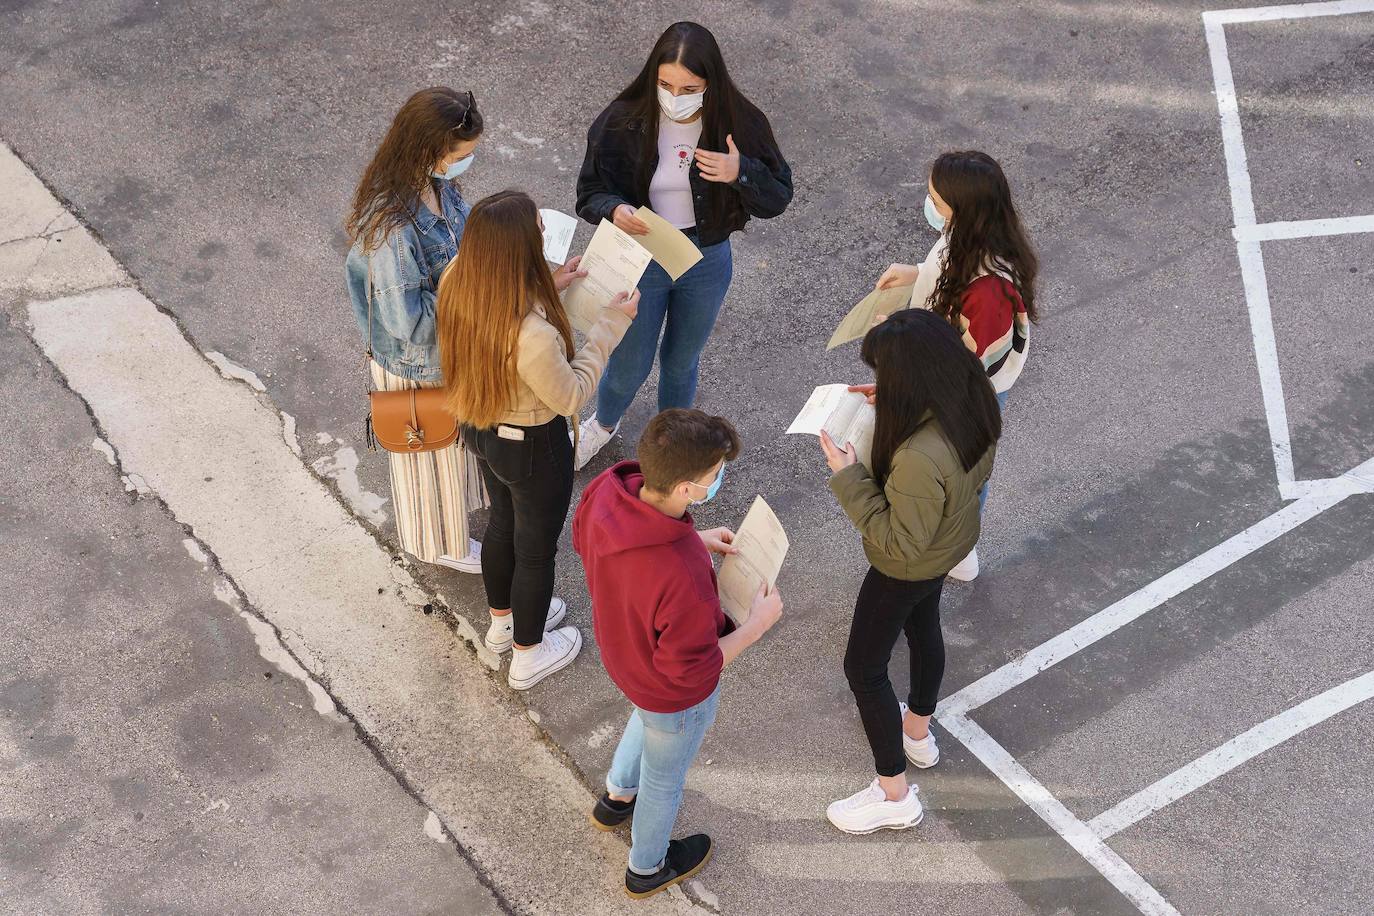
[725,110]
[984,233]
[426,129]
[922,367]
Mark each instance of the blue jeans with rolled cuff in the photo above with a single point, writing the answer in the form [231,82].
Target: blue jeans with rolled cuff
[651,762]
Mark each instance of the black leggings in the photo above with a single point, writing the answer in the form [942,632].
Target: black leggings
[529,482]
[885,608]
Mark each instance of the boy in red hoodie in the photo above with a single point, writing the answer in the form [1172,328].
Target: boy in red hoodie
[659,625]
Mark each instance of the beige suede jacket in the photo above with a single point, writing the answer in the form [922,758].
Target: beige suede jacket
[549,384]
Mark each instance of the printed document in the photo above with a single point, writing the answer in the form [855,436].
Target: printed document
[845,415]
[558,235]
[762,546]
[669,245]
[860,318]
[614,262]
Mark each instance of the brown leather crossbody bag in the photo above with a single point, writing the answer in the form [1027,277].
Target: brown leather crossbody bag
[412,420]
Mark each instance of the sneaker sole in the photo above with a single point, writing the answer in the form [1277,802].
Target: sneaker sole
[553,621]
[920,817]
[923,766]
[558,666]
[687,876]
[608,828]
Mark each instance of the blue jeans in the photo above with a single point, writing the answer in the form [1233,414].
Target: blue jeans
[983,493]
[651,763]
[689,308]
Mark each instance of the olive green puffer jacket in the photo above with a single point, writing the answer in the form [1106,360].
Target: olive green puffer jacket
[924,519]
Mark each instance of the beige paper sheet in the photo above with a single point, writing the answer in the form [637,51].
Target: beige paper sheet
[670,247]
[614,262]
[860,318]
[762,547]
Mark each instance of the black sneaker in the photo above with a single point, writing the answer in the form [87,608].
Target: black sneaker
[610,814]
[685,858]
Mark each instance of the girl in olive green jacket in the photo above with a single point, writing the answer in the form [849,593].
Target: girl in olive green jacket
[917,509]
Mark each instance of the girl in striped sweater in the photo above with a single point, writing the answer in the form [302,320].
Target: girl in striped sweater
[980,274]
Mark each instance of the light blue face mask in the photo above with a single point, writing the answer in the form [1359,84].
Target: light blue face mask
[456,169]
[712,490]
[937,222]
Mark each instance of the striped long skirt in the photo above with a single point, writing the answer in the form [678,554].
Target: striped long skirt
[432,492]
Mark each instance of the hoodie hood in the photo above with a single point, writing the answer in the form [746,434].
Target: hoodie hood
[619,520]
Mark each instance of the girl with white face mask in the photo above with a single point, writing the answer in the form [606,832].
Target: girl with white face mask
[684,141]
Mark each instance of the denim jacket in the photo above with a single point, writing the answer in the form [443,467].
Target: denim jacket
[405,276]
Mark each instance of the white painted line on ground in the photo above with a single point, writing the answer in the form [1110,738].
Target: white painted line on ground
[1233,753]
[1266,358]
[1304,228]
[1117,615]
[1287,11]
[1237,171]
[1076,833]
[1251,259]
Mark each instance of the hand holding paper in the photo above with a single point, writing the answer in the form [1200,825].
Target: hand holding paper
[845,415]
[761,544]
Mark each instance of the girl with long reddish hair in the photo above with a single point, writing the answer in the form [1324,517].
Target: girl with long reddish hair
[513,377]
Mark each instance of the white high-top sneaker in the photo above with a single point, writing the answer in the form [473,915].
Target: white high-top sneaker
[472,563]
[924,753]
[967,570]
[592,439]
[501,633]
[530,666]
[869,810]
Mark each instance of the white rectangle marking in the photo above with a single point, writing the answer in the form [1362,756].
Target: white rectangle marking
[1304,228]
[1063,821]
[1233,753]
[1117,615]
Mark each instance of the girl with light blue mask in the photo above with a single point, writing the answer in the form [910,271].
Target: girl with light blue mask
[406,223]
[980,275]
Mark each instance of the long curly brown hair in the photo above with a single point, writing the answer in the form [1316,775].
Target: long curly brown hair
[984,233]
[426,129]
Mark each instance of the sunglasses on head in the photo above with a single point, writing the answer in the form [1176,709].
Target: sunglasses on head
[466,122]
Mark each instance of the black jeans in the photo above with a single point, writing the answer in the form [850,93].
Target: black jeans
[529,482]
[887,607]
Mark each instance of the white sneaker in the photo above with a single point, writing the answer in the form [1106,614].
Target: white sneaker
[869,810]
[501,633]
[592,439]
[530,666]
[472,563]
[924,753]
[967,570]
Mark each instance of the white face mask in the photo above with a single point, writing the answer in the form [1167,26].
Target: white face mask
[680,107]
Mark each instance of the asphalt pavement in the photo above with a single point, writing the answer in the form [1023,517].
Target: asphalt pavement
[213,152]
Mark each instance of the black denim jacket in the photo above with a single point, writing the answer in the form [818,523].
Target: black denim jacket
[609,177]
